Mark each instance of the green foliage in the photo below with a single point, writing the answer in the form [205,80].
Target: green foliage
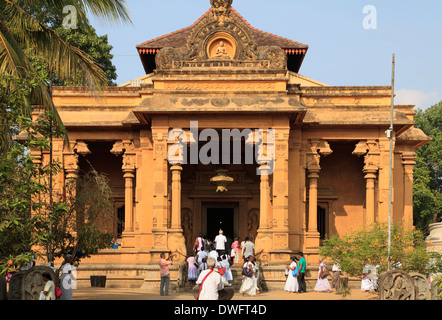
[427,187]
[80,221]
[83,37]
[18,183]
[26,211]
[369,245]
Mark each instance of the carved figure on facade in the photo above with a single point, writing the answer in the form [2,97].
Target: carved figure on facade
[187,225]
[253,223]
[226,29]
[221,51]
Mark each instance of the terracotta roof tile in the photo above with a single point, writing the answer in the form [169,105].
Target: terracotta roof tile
[179,38]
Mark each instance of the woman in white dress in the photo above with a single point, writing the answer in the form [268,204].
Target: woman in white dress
[226,264]
[248,285]
[291,285]
[322,285]
[66,283]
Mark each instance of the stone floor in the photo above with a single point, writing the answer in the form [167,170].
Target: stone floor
[116,294]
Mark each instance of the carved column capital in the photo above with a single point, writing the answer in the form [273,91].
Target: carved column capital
[315,150]
[81,148]
[370,149]
[71,166]
[408,158]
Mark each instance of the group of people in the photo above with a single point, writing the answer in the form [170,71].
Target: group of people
[295,272]
[209,265]
[205,249]
[295,282]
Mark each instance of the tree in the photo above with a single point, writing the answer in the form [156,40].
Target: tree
[82,219]
[79,215]
[18,29]
[368,245]
[19,177]
[83,37]
[427,187]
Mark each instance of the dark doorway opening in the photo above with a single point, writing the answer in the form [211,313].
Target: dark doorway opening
[120,221]
[321,222]
[220,218]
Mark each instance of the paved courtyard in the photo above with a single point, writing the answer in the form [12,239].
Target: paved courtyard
[140,294]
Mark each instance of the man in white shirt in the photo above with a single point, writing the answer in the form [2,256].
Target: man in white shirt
[220,241]
[212,282]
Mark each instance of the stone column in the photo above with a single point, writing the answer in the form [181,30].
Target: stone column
[176,196]
[264,198]
[280,190]
[129,199]
[384,180]
[127,149]
[370,178]
[71,167]
[370,150]
[264,141]
[313,177]
[408,161]
[316,149]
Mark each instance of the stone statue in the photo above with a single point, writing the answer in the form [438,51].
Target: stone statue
[221,51]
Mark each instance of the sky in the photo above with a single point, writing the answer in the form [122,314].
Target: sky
[351,42]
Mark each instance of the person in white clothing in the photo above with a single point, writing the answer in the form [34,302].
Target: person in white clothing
[220,241]
[66,283]
[213,254]
[226,264]
[210,282]
[291,284]
[322,284]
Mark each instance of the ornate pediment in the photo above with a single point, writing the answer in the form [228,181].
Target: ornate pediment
[221,40]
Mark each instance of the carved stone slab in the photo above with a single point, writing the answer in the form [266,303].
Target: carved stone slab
[26,285]
[422,287]
[396,285]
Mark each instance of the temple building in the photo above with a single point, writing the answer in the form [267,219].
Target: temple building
[304,160]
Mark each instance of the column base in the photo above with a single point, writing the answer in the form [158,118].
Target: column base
[129,240]
[176,243]
[263,244]
[311,246]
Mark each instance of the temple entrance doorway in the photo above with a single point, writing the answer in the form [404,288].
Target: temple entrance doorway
[216,216]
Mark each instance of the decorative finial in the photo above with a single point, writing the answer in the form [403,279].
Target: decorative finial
[221,9]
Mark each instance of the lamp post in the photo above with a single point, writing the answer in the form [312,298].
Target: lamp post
[390,136]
